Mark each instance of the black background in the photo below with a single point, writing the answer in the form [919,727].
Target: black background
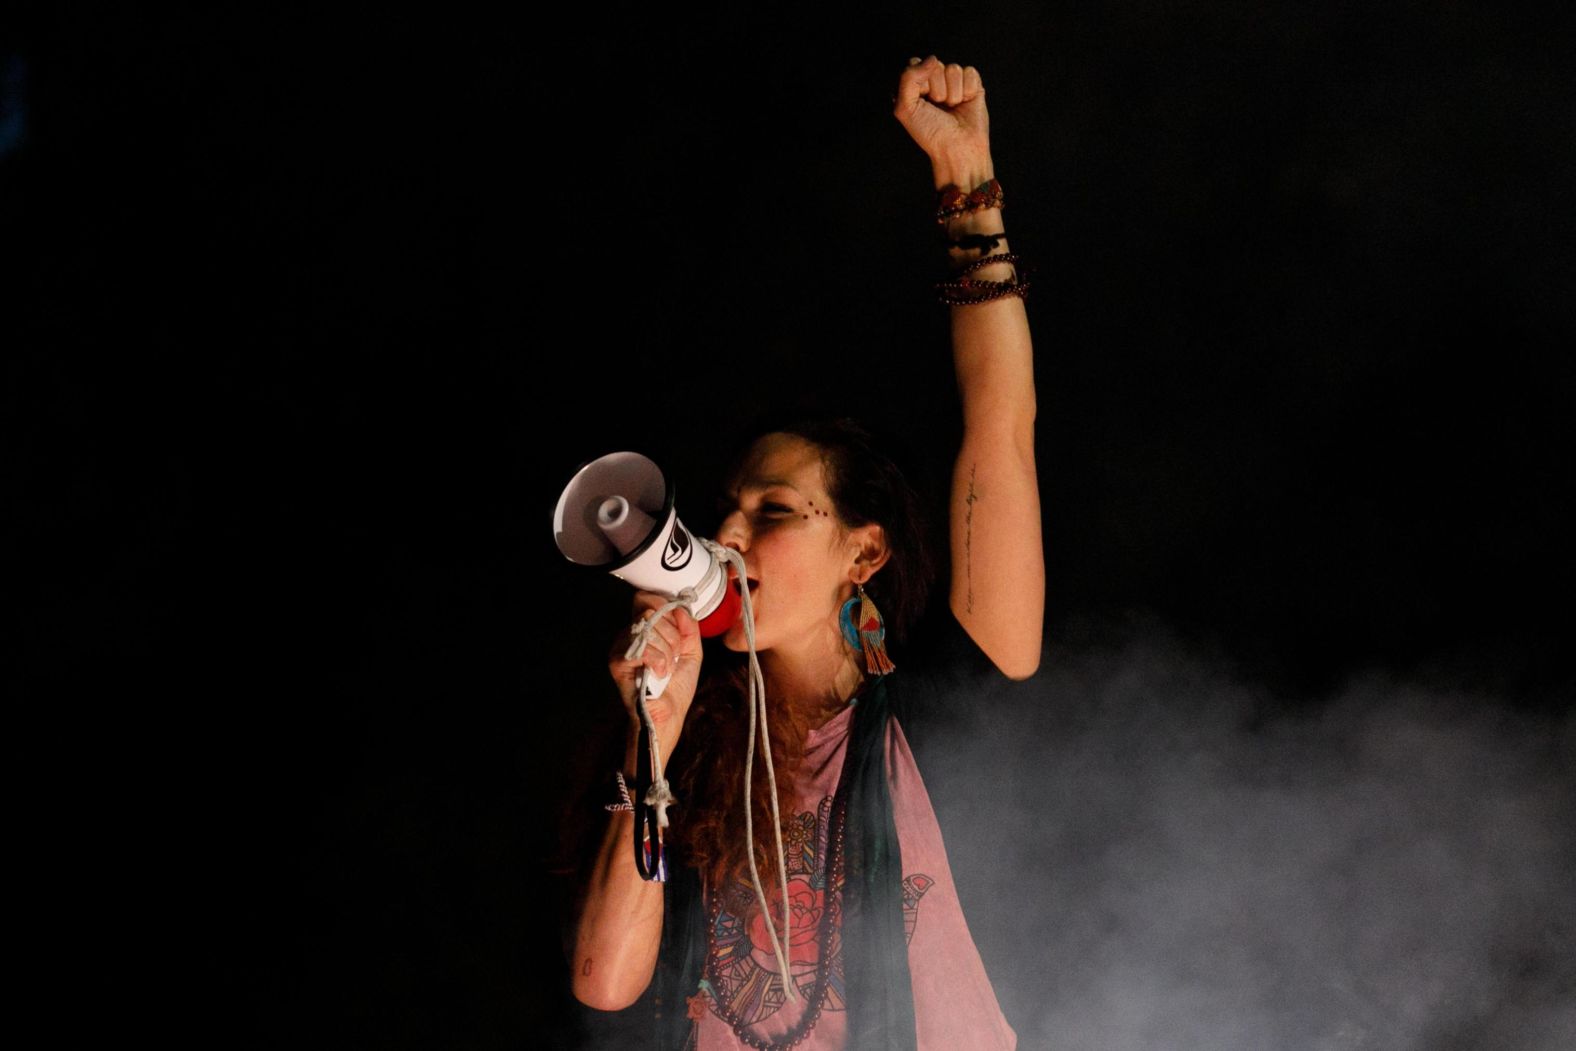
[313,317]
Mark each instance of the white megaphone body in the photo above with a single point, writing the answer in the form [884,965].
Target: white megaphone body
[617,515]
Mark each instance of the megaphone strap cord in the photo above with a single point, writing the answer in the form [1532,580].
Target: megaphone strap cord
[757,705]
[651,816]
[658,797]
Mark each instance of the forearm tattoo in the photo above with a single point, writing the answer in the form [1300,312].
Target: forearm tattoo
[968,538]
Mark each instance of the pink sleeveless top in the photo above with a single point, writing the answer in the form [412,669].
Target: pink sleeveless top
[955,1008]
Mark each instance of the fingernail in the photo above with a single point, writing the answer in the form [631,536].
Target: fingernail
[915,61]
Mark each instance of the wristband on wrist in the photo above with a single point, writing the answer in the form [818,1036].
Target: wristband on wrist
[953,202]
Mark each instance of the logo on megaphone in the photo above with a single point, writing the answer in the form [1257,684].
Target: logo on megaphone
[616,514]
[679,548]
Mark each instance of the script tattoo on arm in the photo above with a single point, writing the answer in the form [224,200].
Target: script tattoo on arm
[968,536]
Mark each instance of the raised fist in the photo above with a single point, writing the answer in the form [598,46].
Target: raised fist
[943,109]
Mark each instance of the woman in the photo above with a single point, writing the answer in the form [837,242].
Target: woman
[876,951]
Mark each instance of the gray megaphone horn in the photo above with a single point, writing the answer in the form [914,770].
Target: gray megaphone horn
[616,514]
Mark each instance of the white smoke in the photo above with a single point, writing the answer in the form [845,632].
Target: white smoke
[1170,868]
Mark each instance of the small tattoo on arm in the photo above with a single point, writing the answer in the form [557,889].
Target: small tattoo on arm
[586,970]
[968,538]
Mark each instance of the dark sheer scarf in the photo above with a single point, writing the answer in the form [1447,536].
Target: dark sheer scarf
[875,947]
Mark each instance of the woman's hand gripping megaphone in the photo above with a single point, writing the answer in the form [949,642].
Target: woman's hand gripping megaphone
[672,659]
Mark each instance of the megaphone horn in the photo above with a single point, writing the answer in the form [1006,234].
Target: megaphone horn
[616,514]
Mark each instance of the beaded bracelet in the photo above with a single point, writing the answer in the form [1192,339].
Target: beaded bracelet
[624,802]
[968,291]
[954,202]
[982,262]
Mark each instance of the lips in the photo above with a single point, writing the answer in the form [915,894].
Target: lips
[735,600]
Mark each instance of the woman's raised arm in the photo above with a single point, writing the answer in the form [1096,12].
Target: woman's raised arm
[998,561]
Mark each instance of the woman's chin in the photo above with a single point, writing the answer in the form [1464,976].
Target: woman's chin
[735,639]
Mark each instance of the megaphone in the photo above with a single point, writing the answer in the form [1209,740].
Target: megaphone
[616,514]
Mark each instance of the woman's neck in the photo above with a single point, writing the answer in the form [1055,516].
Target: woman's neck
[816,679]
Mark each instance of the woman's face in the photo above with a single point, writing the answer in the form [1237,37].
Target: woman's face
[800,561]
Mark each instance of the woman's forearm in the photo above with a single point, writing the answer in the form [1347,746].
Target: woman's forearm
[620,921]
[991,349]
[998,581]
[942,107]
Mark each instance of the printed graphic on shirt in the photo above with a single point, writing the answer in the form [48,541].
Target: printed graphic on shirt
[914,888]
[744,973]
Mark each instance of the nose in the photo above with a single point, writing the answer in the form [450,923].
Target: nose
[733,531]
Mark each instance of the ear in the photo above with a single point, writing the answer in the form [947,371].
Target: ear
[869,552]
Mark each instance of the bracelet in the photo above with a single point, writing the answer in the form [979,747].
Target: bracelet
[1020,290]
[985,243]
[624,802]
[984,261]
[653,857]
[953,202]
[968,291]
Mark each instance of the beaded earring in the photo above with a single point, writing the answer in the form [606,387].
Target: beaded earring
[864,629]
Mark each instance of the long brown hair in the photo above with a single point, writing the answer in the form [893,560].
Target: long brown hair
[866,487]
